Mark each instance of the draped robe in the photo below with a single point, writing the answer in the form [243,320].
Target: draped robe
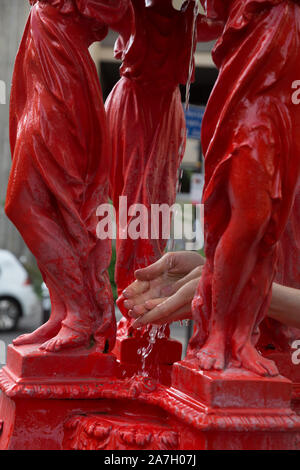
[251,108]
[60,150]
[146,122]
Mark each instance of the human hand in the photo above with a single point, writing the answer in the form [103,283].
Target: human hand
[285,305]
[173,308]
[161,280]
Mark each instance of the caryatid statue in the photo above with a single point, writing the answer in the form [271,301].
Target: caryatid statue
[251,142]
[61,151]
[146,121]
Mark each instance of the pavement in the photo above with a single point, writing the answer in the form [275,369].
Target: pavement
[29,324]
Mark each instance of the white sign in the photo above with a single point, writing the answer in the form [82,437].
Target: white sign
[197,184]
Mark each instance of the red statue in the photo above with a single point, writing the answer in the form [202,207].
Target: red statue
[146,121]
[80,398]
[60,149]
[147,124]
[251,143]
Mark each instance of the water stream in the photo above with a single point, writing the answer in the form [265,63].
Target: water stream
[156,332]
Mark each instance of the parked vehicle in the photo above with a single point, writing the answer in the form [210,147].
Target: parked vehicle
[17,296]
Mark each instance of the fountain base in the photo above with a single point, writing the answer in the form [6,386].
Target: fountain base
[83,400]
[158,364]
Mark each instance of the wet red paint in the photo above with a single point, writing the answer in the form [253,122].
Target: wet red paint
[97,406]
[251,145]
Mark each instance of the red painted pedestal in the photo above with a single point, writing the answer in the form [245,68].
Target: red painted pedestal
[83,402]
[158,364]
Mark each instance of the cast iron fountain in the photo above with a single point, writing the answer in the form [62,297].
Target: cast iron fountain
[70,384]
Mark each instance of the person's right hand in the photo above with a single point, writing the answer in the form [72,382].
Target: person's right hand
[162,279]
[170,309]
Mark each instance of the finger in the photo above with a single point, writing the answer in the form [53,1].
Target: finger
[152,303]
[163,265]
[138,310]
[132,314]
[184,313]
[136,288]
[152,293]
[162,311]
[182,297]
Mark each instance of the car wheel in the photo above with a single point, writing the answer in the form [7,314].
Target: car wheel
[10,313]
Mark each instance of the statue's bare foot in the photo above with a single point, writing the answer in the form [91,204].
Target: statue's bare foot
[255,362]
[212,356]
[42,334]
[66,338]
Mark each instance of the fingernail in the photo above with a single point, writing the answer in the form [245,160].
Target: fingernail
[125,293]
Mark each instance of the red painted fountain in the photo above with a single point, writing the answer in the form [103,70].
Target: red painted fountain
[78,382]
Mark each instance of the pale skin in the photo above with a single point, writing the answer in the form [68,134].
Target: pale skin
[163,292]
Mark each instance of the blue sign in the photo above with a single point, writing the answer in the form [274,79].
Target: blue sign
[193,117]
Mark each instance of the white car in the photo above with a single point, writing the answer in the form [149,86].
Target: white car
[17,296]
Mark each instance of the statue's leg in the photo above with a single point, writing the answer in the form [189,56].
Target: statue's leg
[236,253]
[202,302]
[201,308]
[99,283]
[51,328]
[255,298]
[35,212]
[97,321]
